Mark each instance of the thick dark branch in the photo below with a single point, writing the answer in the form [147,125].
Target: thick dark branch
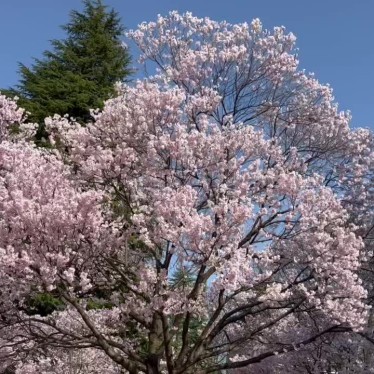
[102,341]
[263,356]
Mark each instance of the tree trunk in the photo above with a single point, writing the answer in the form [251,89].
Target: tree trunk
[155,346]
[153,366]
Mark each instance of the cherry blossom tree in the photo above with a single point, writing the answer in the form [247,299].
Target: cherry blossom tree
[228,166]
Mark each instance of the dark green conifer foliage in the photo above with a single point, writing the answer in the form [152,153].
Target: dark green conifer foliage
[80,71]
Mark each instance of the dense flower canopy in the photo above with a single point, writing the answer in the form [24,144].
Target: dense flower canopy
[202,222]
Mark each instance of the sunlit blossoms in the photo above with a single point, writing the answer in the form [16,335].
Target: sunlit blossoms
[202,222]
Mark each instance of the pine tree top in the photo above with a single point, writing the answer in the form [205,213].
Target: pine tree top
[80,71]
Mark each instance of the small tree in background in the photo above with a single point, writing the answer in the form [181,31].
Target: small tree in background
[80,71]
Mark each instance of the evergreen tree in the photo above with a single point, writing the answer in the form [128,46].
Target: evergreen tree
[81,70]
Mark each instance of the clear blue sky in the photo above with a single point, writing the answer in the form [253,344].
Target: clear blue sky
[335,37]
